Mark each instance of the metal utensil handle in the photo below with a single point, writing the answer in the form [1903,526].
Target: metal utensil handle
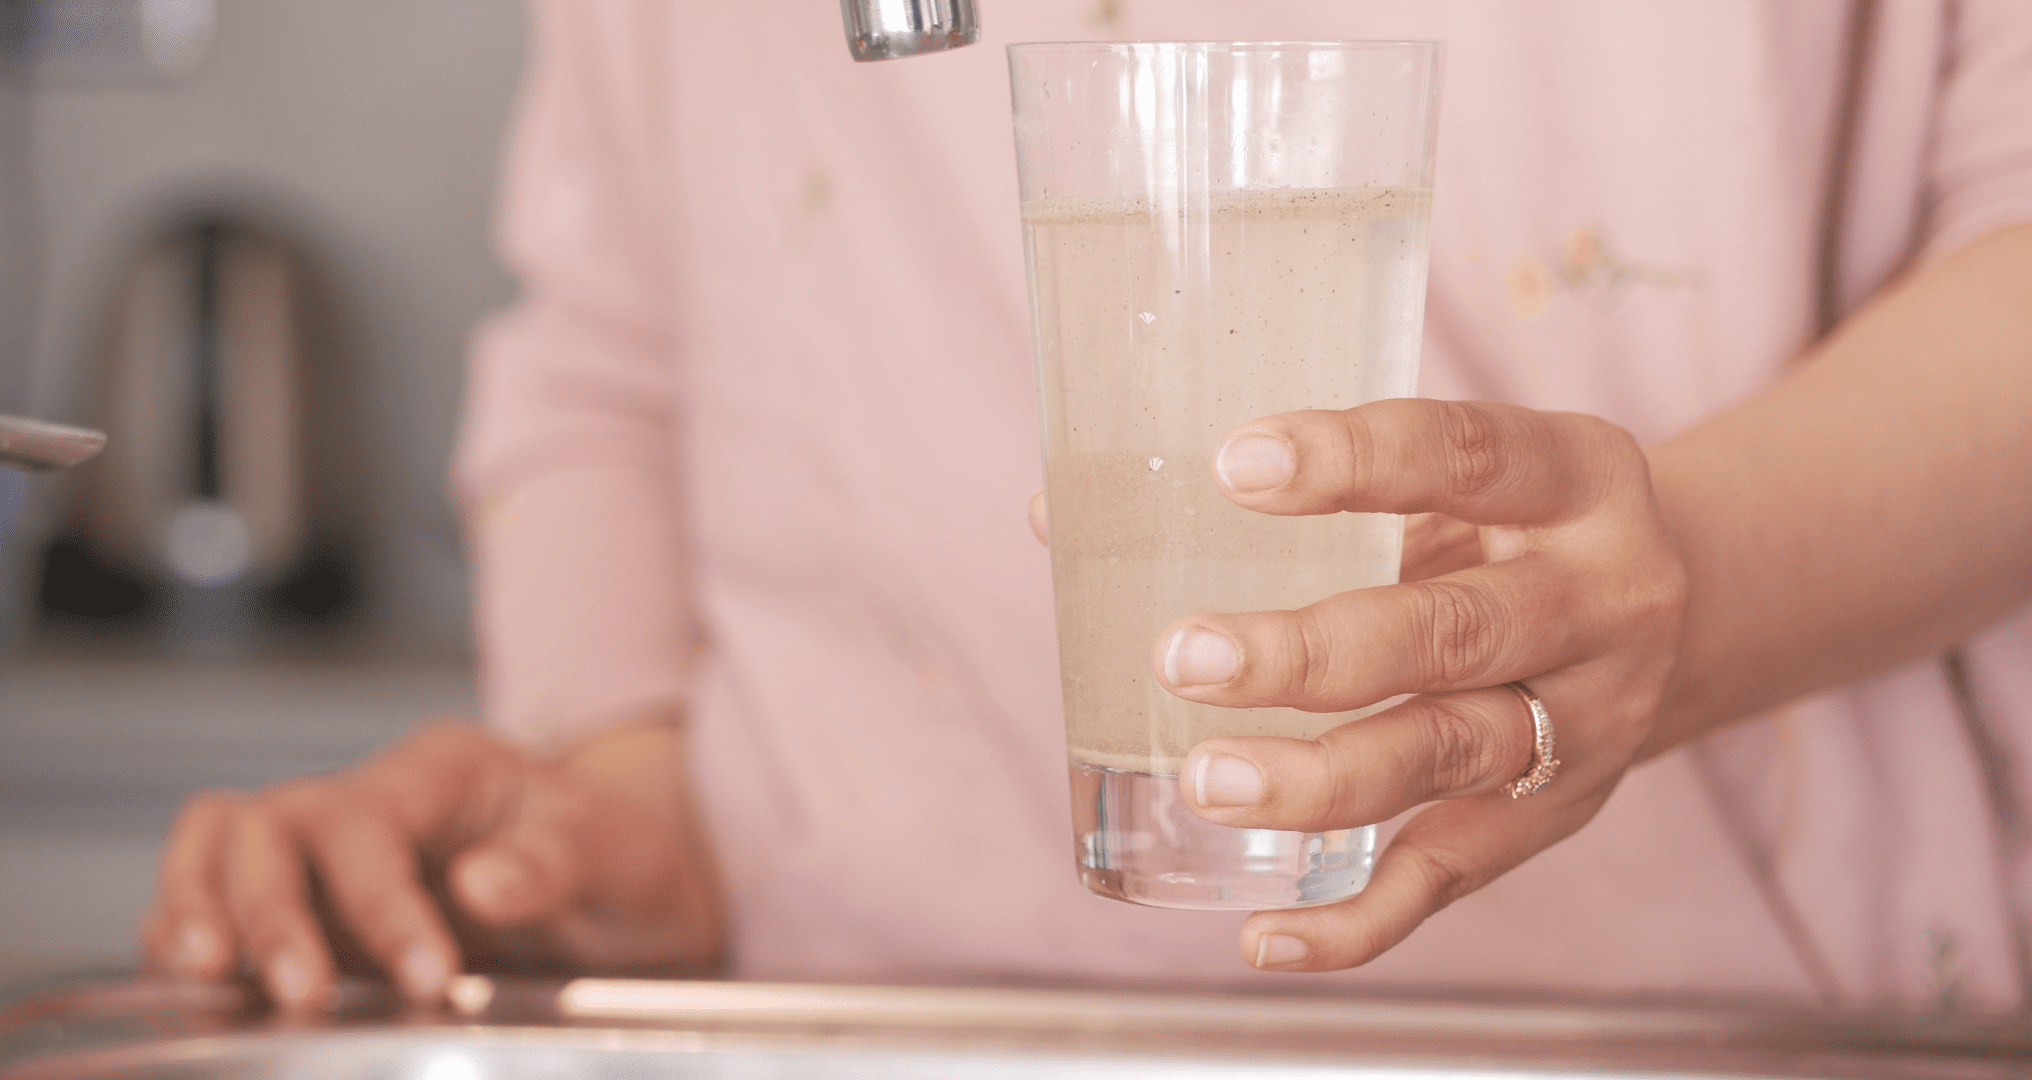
[40,445]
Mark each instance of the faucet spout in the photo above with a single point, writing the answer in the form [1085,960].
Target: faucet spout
[889,29]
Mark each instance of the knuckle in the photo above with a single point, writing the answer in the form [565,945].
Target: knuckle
[1323,665]
[1310,642]
[1460,752]
[307,797]
[1460,629]
[1471,439]
[1342,800]
[445,749]
[205,809]
[1657,600]
[1444,875]
[1353,447]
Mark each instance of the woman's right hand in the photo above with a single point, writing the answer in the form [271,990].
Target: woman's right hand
[451,851]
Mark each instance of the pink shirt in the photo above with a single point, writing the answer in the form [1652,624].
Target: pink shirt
[722,453]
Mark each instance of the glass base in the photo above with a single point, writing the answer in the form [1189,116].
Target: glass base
[1137,840]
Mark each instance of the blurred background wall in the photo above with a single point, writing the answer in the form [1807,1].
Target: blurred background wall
[17,271]
[366,133]
[17,262]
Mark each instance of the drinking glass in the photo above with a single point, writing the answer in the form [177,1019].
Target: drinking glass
[1216,232]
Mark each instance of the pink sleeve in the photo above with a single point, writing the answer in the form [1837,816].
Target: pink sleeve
[565,469]
[1980,176]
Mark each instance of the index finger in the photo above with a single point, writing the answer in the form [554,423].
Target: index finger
[1478,461]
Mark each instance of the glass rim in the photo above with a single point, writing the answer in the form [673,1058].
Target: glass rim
[1124,47]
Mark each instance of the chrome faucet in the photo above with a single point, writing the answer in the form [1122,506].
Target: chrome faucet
[889,29]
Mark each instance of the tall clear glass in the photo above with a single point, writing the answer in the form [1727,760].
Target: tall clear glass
[1216,232]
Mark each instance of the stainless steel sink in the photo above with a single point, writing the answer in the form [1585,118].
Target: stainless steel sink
[600,1029]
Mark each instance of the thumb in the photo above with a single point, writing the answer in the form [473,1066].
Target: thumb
[528,870]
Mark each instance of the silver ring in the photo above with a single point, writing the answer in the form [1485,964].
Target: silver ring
[1543,765]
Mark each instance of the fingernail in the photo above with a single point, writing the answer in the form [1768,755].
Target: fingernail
[1199,658]
[424,972]
[197,948]
[492,879]
[289,979]
[1255,463]
[1222,780]
[470,994]
[1277,950]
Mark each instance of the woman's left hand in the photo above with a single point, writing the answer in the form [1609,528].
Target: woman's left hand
[1575,586]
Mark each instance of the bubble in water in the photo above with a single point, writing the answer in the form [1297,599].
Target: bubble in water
[1147,318]
[1156,463]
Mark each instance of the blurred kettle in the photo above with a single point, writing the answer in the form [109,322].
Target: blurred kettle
[203,370]
[202,498]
